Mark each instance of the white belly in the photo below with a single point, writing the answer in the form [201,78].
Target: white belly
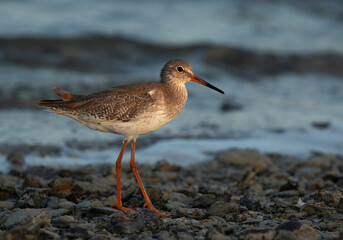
[132,129]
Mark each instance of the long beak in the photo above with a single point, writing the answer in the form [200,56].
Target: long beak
[203,82]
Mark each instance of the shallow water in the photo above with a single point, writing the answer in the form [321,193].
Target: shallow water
[304,26]
[274,113]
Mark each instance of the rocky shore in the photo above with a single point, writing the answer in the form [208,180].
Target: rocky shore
[241,194]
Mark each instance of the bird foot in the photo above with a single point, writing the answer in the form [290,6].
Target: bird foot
[152,208]
[125,210]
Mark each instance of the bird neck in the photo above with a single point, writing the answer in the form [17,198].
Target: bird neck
[176,94]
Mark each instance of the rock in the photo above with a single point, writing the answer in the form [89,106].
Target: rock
[203,201]
[308,172]
[62,186]
[125,228]
[194,213]
[32,198]
[147,220]
[322,162]
[58,212]
[63,221]
[330,196]
[230,105]
[31,181]
[178,197]
[165,235]
[332,174]
[4,215]
[184,235]
[248,179]
[250,204]
[157,195]
[295,230]
[7,193]
[290,185]
[22,233]
[88,204]
[310,209]
[78,232]
[258,234]
[44,234]
[6,204]
[289,226]
[162,166]
[246,158]
[211,233]
[315,184]
[96,212]
[28,216]
[51,202]
[66,205]
[222,208]
[118,216]
[321,125]
[286,194]
[129,192]
[16,159]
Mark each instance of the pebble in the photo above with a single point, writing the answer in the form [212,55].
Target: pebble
[221,208]
[27,216]
[241,194]
[248,158]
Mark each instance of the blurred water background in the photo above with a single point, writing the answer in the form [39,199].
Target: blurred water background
[280,64]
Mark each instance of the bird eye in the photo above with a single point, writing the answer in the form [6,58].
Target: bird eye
[180,69]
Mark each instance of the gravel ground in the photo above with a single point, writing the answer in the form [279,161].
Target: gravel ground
[241,194]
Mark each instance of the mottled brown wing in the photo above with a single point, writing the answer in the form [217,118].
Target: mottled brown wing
[118,106]
[115,104]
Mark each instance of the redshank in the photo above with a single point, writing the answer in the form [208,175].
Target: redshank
[130,111]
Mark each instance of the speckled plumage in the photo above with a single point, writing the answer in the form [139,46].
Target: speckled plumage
[130,111]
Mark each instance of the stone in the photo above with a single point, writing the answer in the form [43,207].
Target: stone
[147,220]
[128,192]
[6,204]
[96,212]
[7,193]
[66,205]
[221,208]
[258,234]
[194,213]
[203,201]
[44,234]
[157,195]
[32,198]
[295,230]
[16,159]
[62,186]
[322,162]
[63,221]
[118,216]
[125,228]
[27,216]
[245,158]
[184,236]
[250,204]
[290,185]
[289,226]
[178,197]
[330,196]
[32,181]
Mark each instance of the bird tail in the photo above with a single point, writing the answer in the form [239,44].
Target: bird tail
[66,97]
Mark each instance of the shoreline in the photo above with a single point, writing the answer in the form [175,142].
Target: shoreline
[240,194]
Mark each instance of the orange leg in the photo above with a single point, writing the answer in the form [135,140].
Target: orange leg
[145,195]
[119,203]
